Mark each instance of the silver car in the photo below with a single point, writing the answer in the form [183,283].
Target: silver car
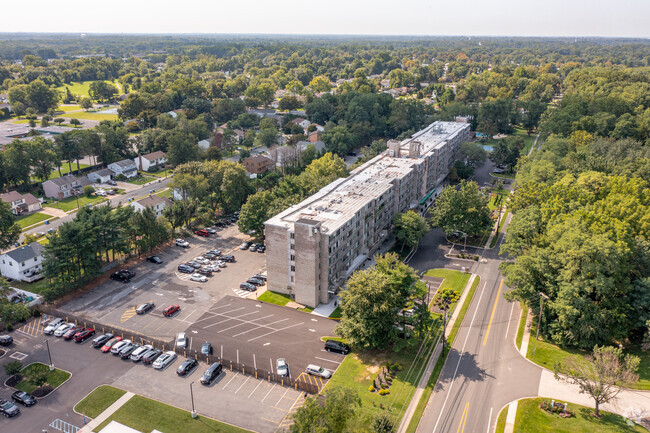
[164,360]
[63,329]
[51,327]
[117,347]
[316,370]
[140,351]
[181,340]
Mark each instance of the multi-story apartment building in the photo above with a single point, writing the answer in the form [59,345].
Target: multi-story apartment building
[314,246]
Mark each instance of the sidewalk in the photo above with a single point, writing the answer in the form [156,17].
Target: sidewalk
[88,428]
[326,310]
[422,384]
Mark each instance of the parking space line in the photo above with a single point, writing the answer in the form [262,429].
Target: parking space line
[253,391]
[328,360]
[267,394]
[185,319]
[285,393]
[244,332]
[269,420]
[276,330]
[233,378]
[242,385]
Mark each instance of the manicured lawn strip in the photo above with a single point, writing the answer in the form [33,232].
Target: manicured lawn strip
[29,220]
[531,419]
[166,193]
[336,314]
[522,325]
[428,390]
[306,309]
[146,415]
[457,280]
[158,173]
[141,180]
[99,400]
[644,367]
[35,287]
[67,108]
[528,139]
[89,115]
[78,88]
[274,298]
[70,203]
[494,240]
[501,420]
[55,378]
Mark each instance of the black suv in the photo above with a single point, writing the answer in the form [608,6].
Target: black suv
[337,346]
[211,373]
[6,340]
[123,275]
[228,258]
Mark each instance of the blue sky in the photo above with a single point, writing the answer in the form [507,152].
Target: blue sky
[628,18]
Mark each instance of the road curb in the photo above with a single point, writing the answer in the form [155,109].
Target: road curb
[45,396]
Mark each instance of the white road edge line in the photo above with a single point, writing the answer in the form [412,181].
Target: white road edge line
[490,420]
[509,321]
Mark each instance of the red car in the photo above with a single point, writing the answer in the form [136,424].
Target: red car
[83,335]
[72,331]
[202,232]
[168,311]
[107,347]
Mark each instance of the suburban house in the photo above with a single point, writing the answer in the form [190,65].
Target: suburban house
[126,167]
[101,176]
[24,263]
[21,203]
[155,202]
[151,160]
[304,123]
[65,186]
[258,164]
[315,136]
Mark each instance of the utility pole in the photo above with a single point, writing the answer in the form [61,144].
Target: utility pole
[49,355]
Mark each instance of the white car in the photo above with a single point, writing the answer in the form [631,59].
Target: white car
[213,268]
[164,360]
[316,370]
[51,327]
[137,353]
[182,243]
[63,329]
[100,192]
[181,340]
[281,367]
[199,278]
[202,260]
[119,346]
[219,263]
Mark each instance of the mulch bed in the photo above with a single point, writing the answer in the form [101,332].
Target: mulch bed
[14,380]
[42,391]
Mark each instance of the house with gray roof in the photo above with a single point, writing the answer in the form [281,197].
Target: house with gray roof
[125,167]
[21,203]
[24,263]
[101,176]
[155,202]
[65,186]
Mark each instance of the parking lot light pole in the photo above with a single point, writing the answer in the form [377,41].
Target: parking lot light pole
[49,355]
[192,397]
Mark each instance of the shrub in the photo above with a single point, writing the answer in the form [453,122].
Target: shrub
[13,367]
[36,313]
[9,327]
[88,190]
[371,388]
[384,392]
[38,374]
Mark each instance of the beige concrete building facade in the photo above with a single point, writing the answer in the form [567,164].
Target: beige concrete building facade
[314,246]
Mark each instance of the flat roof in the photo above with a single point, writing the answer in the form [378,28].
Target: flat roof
[433,136]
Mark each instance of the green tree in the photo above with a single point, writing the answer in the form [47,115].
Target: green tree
[506,151]
[443,300]
[42,157]
[320,84]
[265,92]
[464,209]
[17,163]
[268,137]
[338,140]
[88,190]
[331,417]
[410,228]
[182,148]
[86,103]
[289,102]
[601,375]
[101,90]
[38,374]
[255,212]
[13,367]
[75,122]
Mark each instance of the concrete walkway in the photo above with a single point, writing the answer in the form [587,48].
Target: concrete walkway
[523,349]
[326,310]
[408,415]
[54,212]
[88,428]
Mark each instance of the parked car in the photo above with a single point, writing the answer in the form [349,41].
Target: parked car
[186,269]
[198,278]
[260,277]
[23,398]
[194,264]
[8,409]
[84,335]
[206,348]
[110,343]
[171,309]
[181,340]
[6,340]
[164,360]
[245,246]
[215,251]
[210,256]
[255,281]
[261,249]
[144,308]
[126,352]
[247,286]
[337,346]
[228,258]
[52,325]
[155,259]
[498,171]
[70,333]
[151,356]
[123,275]
[253,248]
[203,271]
[219,263]
[202,260]
[211,268]
[182,243]
[63,329]
[117,347]
[210,230]
[281,367]
[101,340]
[187,366]
[211,373]
[202,232]
[138,353]
[316,370]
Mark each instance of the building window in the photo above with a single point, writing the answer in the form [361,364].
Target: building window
[293,235]
[293,247]
[293,268]
[292,278]
[293,258]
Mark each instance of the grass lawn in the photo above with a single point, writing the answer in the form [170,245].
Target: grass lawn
[158,173]
[531,419]
[35,287]
[457,280]
[493,242]
[99,400]
[165,194]
[140,180]
[501,420]
[522,325]
[28,220]
[78,88]
[274,298]
[90,115]
[54,378]
[306,309]
[336,314]
[70,203]
[67,108]
[146,415]
[21,121]
[64,170]
[496,193]
[426,394]
[528,139]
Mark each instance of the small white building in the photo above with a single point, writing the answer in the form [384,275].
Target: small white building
[125,167]
[24,263]
[101,176]
[21,203]
[151,160]
[158,204]
[304,123]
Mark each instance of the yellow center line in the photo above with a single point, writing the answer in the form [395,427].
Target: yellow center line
[463,419]
[496,301]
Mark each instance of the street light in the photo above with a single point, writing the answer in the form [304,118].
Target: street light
[192,397]
[49,355]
